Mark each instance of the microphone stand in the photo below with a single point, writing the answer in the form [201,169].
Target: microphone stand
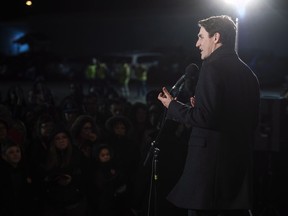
[154,151]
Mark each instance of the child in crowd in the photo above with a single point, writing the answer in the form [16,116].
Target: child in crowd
[108,184]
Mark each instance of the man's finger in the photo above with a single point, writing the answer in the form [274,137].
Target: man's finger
[166,92]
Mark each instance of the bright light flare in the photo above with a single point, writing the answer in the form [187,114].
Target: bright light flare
[28,3]
[240,5]
[238,2]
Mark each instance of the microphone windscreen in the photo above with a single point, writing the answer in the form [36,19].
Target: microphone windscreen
[191,69]
[191,78]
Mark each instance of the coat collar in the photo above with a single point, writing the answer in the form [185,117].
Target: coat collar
[220,52]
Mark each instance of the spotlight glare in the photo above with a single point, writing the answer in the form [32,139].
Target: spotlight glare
[238,2]
[239,5]
[28,3]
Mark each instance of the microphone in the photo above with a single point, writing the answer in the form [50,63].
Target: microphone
[179,83]
[191,78]
[190,71]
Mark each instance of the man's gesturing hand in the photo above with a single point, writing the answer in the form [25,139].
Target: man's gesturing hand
[165,97]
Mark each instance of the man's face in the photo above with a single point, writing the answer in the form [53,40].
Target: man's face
[205,43]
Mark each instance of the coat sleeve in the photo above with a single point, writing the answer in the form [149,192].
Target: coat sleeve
[208,96]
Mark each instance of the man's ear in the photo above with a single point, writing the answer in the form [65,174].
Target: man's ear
[217,37]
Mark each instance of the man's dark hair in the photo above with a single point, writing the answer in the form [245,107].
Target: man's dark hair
[223,25]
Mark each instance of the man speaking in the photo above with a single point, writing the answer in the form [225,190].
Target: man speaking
[217,177]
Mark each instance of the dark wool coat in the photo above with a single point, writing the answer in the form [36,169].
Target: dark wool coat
[218,169]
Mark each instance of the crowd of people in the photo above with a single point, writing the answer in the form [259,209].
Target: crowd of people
[87,154]
[80,156]
[120,74]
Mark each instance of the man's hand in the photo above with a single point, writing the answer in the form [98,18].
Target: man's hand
[193,101]
[165,97]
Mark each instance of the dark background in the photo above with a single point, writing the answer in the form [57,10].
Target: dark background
[74,31]
[84,28]
[77,30]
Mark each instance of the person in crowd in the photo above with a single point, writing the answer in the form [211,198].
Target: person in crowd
[38,149]
[9,127]
[69,111]
[116,106]
[91,70]
[107,106]
[126,152]
[15,101]
[96,73]
[16,194]
[124,76]
[3,130]
[217,177]
[86,135]
[75,94]
[119,130]
[108,184]
[139,117]
[66,176]
[41,95]
[91,106]
[141,73]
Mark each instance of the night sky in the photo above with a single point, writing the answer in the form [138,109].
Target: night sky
[91,26]
[16,9]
